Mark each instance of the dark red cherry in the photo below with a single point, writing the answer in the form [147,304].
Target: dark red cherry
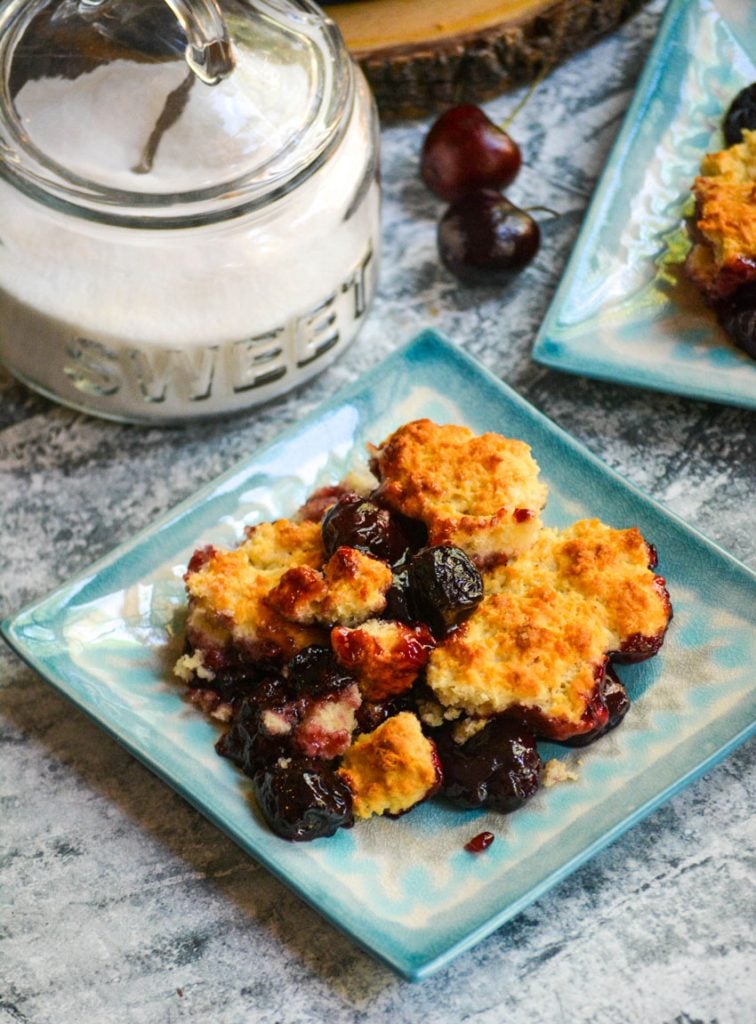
[444,586]
[357,522]
[261,730]
[741,114]
[465,151]
[484,239]
[498,767]
[301,800]
[314,672]
[737,315]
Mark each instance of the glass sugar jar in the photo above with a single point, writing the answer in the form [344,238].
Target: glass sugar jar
[189,201]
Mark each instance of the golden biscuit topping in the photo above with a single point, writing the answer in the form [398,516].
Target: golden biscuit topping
[392,768]
[723,257]
[541,651]
[385,657]
[351,588]
[478,493]
[228,590]
[541,637]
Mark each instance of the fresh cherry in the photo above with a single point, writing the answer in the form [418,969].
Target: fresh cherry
[465,151]
[484,239]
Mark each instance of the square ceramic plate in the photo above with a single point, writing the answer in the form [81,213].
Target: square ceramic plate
[406,890]
[624,310]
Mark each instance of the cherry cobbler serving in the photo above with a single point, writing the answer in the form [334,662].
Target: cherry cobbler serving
[416,635]
[722,259]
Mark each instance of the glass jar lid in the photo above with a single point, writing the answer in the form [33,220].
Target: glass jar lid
[167,112]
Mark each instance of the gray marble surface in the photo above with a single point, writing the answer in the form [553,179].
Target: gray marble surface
[118,902]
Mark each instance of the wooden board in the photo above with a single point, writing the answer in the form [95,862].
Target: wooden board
[421,56]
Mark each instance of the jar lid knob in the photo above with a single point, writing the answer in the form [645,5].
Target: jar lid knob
[208,50]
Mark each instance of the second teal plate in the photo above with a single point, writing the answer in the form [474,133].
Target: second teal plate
[624,311]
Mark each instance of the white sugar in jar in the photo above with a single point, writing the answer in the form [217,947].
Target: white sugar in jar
[189,202]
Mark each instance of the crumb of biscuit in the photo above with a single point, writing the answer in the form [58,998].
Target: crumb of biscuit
[392,768]
[556,771]
[467,728]
[192,666]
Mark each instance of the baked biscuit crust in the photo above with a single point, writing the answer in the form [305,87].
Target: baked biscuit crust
[479,493]
[539,642]
[385,657]
[392,768]
[723,257]
[351,588]
[540,653]
[228,592]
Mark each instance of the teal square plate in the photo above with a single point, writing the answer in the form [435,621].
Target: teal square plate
[624,310]
[406,889]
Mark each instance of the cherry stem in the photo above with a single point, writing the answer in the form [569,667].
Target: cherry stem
[532,88]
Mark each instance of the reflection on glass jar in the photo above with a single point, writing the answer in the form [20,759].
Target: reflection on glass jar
[170,248]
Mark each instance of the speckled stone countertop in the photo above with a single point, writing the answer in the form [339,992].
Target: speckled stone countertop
[119,903]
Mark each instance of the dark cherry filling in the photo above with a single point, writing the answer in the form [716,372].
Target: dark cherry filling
[439,586]
[653,556]
[303,800]
[200,557]
[320,501]
[498,767]
[398,601]
[261,729]
[617,705]
[544,726]
[371,713]
[357,522]
[737,315]
[315,672]
[638,648]
[234,675]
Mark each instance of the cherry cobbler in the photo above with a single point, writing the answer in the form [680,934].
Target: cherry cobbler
[416,636]
[722,259]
